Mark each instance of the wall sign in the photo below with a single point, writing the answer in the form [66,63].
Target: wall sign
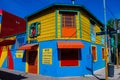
[19,54]
[47,56]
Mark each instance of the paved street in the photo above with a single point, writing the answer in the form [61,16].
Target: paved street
[16,75]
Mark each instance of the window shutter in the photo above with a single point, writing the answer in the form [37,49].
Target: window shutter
[37,28]
[30,30]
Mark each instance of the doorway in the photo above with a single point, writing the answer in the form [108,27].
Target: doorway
[33,61]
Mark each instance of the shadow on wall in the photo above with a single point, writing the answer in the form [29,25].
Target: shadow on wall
[10,76]
[24,56]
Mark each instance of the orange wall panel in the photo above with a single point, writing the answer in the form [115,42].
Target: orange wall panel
[69,32]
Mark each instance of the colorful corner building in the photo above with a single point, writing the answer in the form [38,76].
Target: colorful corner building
[59,40]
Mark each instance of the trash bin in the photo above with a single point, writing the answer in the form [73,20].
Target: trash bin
[110,70]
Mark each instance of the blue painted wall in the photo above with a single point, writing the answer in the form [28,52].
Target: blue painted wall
[19,63]
[5,64]
[87,58]
[71,70]
[86,63]
[91,66]
[46,69]
[100,63]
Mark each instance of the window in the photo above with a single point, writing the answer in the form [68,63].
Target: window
[102,39]
[94,53]
[69,57]
[93,32]
[34,30]
[68,20]
[103,53]
[68,25]
[20,42]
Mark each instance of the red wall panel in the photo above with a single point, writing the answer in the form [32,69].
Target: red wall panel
[11,24]
[0,12]
[10,60]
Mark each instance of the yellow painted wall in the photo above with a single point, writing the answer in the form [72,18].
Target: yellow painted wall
[59,24]
[78,25]
[85,26]
[98,38]
[9,38]
[50,20]
[47,21]
[3,55]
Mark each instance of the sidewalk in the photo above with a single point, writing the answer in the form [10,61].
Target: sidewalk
[6,74]
[100,74]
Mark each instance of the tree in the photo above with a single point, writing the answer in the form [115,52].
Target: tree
[110,23]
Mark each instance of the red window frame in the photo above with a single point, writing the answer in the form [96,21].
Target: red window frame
[94,53]
[69,57]
[103,53]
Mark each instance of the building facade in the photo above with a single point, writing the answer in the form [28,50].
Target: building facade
[60,40]
[12,31]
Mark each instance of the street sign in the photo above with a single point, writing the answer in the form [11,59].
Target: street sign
[100,33]
[108,32]
[118,31]
[113,32]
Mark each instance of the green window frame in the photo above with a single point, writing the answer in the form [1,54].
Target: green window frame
[34,29]
[103,53]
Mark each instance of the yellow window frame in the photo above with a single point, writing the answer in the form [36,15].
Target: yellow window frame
[94,52]
[103,53]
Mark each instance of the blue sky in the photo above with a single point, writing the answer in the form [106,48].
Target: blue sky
[23,8]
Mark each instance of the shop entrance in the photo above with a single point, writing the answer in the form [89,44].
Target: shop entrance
[32,61]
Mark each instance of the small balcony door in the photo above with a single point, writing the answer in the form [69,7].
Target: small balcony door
[68,25]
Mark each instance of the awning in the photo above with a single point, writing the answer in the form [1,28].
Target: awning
[7,42]
[70,45]
[28,47]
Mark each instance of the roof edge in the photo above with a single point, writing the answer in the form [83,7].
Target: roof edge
[68,5]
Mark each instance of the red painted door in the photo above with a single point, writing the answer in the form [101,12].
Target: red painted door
[32,61]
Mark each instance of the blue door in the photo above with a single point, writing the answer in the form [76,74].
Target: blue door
[89,64]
